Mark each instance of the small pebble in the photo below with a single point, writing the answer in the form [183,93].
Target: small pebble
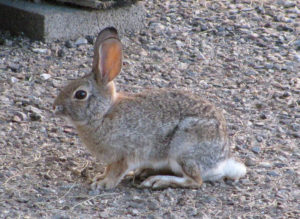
[179,43]
[60,216]
[297,44]
[204,27]
[269,66]
[20,116]
[40,50]
[33,109]
[152,205]
[61,53]
[272,173]
[16,119]
[69,44]
[35,116]
[13,80]
[284,95]
[283,27]
[134,212]
[259,138]
[289,4]
[279,165]
[250,72]
[14,67]
[290,172]
[295,127]
[250,162]
[256,150]
[265,164]
[297,58]
[8,42]
[81,41]
[263,116]
[192,212]
[260,9]
[90,39]
[45,76]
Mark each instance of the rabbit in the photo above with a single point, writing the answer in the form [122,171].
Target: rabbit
[158,129]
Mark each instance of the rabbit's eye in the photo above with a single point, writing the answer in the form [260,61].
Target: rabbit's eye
[80,95]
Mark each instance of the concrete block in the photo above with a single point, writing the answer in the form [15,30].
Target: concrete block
[49,22]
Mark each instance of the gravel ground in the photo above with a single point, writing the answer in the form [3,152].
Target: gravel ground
[243,55]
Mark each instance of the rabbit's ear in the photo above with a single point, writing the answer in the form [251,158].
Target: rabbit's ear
[107,61]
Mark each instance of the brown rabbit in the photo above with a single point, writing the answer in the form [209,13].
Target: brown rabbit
[158,129]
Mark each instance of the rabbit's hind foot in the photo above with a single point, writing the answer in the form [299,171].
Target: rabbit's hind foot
[164,181]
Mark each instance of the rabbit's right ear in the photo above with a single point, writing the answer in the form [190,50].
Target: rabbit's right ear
[107,61]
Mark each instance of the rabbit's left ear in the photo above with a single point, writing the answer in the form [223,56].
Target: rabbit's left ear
[107,61]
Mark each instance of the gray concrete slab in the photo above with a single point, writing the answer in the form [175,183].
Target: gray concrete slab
[48,22]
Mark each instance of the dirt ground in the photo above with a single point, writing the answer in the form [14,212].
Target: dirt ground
[243,55]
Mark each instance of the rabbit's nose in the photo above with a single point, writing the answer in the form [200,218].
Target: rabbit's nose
[58,109]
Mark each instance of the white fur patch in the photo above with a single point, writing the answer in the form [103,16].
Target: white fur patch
[229,168]
[234,170]
[148,164]
[175,167]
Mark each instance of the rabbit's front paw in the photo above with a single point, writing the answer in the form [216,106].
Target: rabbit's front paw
[103,184]
[113,174]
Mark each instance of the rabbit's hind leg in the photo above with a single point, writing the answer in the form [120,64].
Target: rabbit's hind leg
[190,178]
[144,173]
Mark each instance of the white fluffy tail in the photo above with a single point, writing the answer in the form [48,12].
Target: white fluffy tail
[229,168]
[233,169]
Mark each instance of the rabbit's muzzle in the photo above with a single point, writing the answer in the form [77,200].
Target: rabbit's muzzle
[58,110]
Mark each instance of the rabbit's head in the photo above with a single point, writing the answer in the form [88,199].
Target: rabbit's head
[95,92]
